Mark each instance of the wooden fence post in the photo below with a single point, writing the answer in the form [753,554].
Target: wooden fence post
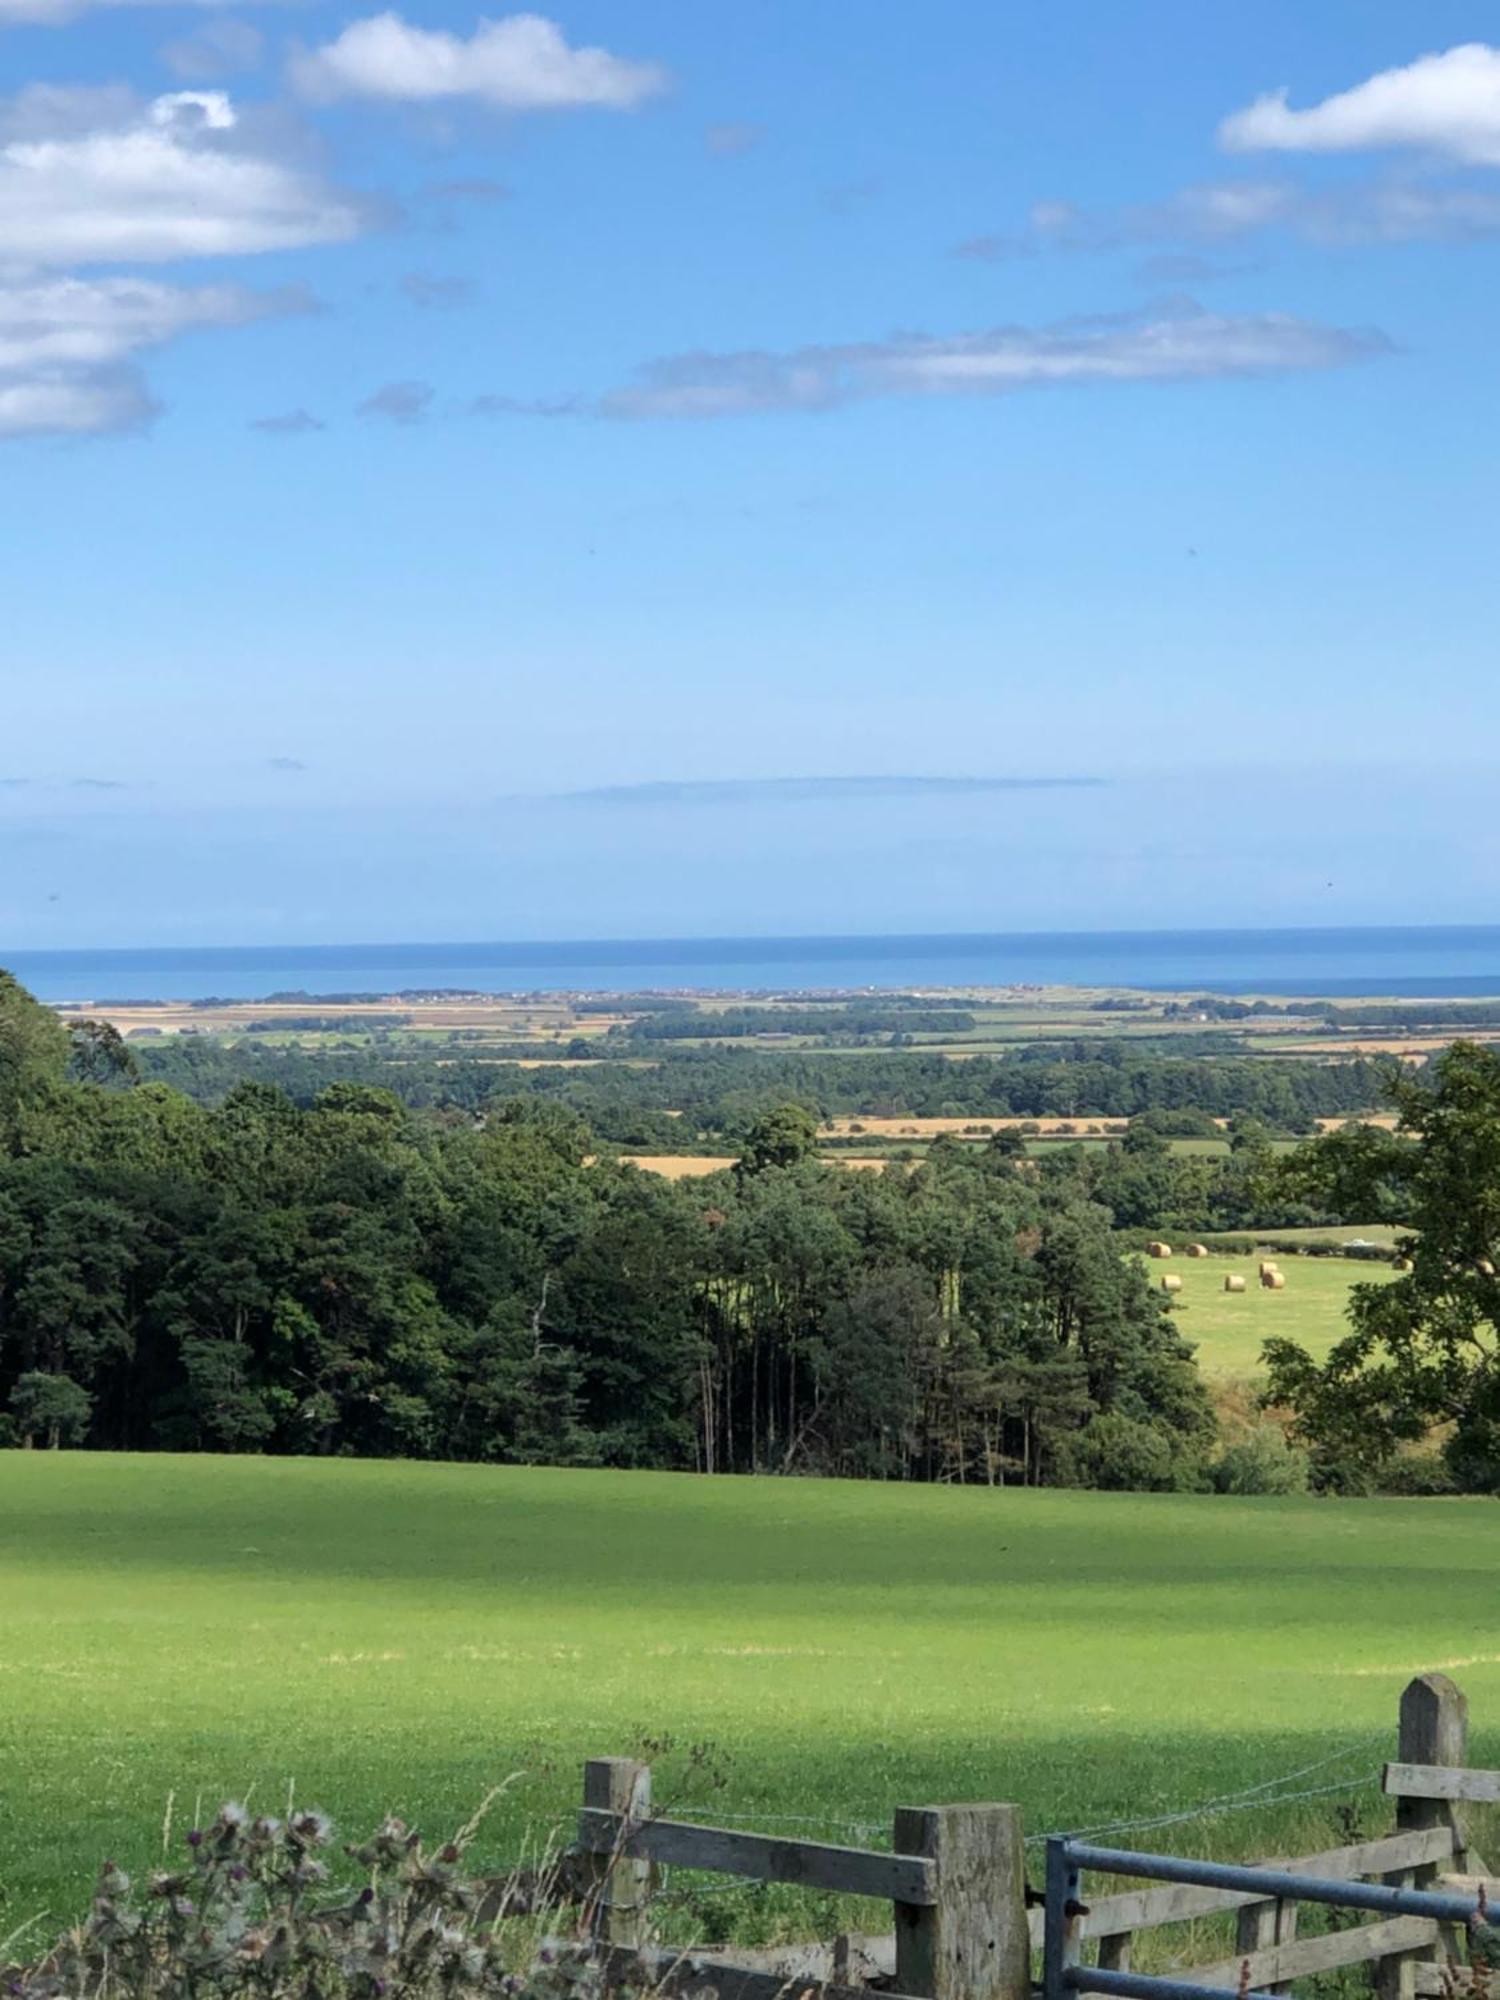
[621,1887]
[1434,1729]
[973,1942]
[1261,1925]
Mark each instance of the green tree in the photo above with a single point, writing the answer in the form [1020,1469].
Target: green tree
[98,1053]
[779,1138]
[1424,1349]
[52,1407]
[33,1047]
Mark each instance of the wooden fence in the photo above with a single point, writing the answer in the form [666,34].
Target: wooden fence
[967,1927]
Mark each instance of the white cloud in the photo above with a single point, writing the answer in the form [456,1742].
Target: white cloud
[1448,103]
[67,345]
[1180,347]
[519,63]
[60,406]
[178,179]
[192,111]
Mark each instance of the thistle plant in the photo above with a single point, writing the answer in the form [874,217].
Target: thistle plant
[252,1912]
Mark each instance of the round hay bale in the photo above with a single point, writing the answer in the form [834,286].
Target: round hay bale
[1273,1281]
[1159,1249]
[1268,1264]
[1197,1249]
[1171,1284]
[1234,1284]
[1401,1263]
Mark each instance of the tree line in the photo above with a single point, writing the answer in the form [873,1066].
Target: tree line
[720,1091]
[351,1276]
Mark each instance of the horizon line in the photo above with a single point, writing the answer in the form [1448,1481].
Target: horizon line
[698,941]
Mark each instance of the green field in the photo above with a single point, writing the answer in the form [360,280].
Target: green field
[1227,1328]
[406,1635]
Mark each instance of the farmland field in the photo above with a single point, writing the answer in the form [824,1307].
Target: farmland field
[393,1635]
[1227,1328]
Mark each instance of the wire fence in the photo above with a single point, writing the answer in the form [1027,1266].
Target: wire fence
[1267,1796]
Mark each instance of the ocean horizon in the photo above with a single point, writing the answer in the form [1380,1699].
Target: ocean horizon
[1435,960]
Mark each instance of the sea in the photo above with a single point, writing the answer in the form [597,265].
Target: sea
[1450,960]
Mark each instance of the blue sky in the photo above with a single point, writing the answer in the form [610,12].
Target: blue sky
[419,429]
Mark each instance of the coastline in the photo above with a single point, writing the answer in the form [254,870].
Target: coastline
[1395,962]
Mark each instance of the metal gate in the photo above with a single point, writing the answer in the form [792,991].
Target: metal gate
[1065,1974]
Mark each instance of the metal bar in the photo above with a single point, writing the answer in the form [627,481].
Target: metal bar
[1142,1986]
[1060,1951]
[1268,1882]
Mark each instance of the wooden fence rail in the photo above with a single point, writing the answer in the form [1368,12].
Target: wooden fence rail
[964,1928]
[851,1871]
[955,1881]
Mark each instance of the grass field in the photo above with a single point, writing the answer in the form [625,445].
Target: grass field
[404,1636]
[1227,1328]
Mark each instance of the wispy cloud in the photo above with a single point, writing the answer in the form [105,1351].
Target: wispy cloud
[54,783]
[286,764]
[1223,212]
[806,791]
[289,423]
[53,13]
[1188,267]
[220,47]
[529,406]
[399,402]
[1187,345]
[49,784]
[1445,103]
[520,63]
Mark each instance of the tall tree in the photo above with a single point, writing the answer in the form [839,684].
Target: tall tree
[1424,1349]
